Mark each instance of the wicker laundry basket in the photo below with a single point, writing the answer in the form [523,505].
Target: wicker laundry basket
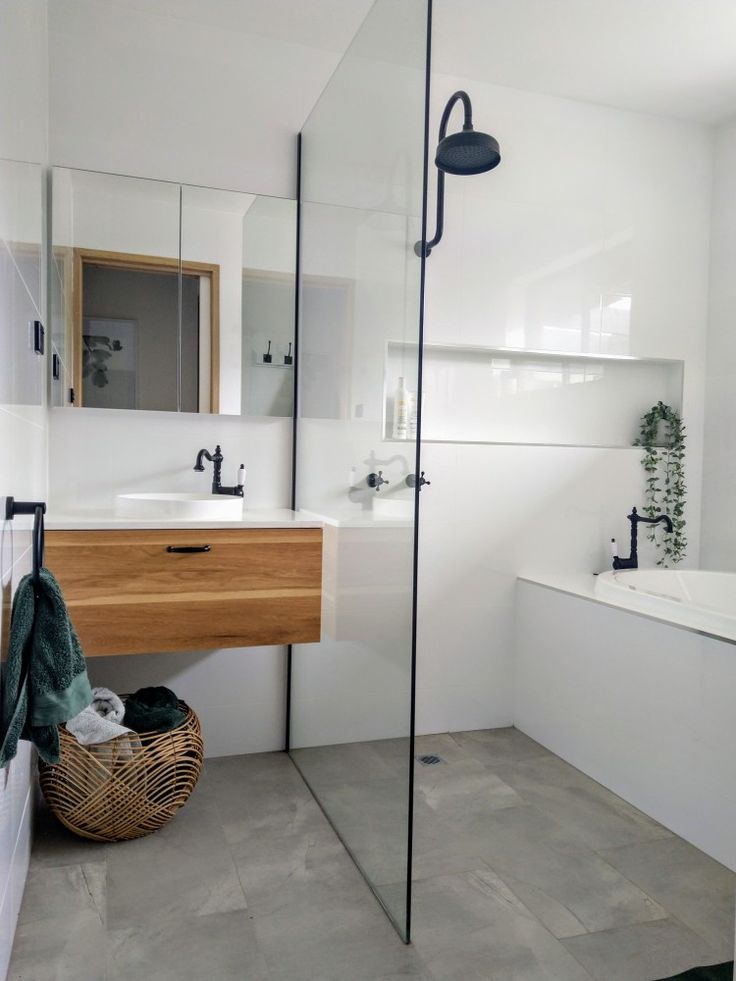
[125,788]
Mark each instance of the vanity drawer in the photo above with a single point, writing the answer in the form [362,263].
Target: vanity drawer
[128,593]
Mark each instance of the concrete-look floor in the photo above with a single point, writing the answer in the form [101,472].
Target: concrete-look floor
[526,870]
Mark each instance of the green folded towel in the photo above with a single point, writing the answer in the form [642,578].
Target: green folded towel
[153,710]
[45,680]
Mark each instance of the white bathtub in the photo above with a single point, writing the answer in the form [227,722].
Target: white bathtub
[633,682]
[692,598]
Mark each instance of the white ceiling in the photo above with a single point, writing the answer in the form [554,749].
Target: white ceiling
[326,24]
[671,57]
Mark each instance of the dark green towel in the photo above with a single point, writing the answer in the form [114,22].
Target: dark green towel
[55,686]
[716,972]
[153,710]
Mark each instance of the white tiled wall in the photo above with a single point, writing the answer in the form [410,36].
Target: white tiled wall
[719,468]
[533,253]
[23,429]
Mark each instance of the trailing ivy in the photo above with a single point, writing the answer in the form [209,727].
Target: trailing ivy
[664,465]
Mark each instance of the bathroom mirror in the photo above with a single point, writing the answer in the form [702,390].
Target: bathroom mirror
[170,297]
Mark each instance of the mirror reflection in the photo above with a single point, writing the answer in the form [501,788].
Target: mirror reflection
[171,297]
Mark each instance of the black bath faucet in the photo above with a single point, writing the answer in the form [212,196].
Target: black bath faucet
[633,560]
[216,459]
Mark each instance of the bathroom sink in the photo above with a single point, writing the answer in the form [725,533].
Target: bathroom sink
[393,507]
[186,507]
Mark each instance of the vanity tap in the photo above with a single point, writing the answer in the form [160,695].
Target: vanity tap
[633,560]
[216,459]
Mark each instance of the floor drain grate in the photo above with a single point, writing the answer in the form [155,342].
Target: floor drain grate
[429,759]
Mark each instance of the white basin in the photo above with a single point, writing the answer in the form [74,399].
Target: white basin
[186,507]
[394,507]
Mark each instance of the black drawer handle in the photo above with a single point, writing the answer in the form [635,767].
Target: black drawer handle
[188,549]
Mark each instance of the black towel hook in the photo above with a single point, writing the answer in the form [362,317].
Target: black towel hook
[37,509]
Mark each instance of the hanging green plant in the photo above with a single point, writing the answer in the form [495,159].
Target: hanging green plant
[662,434]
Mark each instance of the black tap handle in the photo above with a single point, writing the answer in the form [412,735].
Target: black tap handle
[375,480]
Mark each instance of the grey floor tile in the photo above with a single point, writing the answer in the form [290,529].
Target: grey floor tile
[591,813]
[507,745]
[276,871]
[221,947]
[444,859]
[250,882]
[642,952]
[695,888]
[332,766]
[453,802]
[442,744]
[373,818]
[558,878]
[185,868]
[61,931]
[54,845]
[263,792]
[395,753]
[332,934]
[470,927]
[452,790]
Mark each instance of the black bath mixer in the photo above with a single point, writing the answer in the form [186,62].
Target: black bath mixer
[633,560]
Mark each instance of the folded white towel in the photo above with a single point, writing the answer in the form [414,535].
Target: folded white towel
[100,721]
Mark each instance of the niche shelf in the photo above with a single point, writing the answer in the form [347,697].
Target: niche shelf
[539,398]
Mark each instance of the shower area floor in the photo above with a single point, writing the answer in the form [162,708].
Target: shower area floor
[524,868]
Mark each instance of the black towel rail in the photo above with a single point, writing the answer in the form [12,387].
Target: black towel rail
[37,509]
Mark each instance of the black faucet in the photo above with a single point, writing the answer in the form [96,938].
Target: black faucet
[633,560]
[216,459]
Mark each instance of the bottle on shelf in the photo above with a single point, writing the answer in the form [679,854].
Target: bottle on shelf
[412,412]
[401,411]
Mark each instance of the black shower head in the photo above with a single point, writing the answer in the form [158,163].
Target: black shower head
[463,153]
[467,152]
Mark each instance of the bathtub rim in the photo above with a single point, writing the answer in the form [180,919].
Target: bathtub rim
[582,585]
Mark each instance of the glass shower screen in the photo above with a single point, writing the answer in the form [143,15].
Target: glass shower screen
[361,205]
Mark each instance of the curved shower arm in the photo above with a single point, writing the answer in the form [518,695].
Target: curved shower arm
[422,247]
[459,96]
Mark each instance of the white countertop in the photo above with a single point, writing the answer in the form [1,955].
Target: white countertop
[107,520]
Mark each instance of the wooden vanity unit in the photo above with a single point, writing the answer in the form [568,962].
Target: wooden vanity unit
[144,591]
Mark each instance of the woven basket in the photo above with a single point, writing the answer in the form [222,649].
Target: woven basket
[125,788]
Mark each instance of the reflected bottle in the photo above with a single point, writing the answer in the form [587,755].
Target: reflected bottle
[412,413]
[401,411]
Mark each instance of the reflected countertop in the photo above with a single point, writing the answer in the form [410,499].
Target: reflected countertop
[357,518]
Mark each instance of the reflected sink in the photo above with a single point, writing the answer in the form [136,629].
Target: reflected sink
[185,507]
[393,507]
